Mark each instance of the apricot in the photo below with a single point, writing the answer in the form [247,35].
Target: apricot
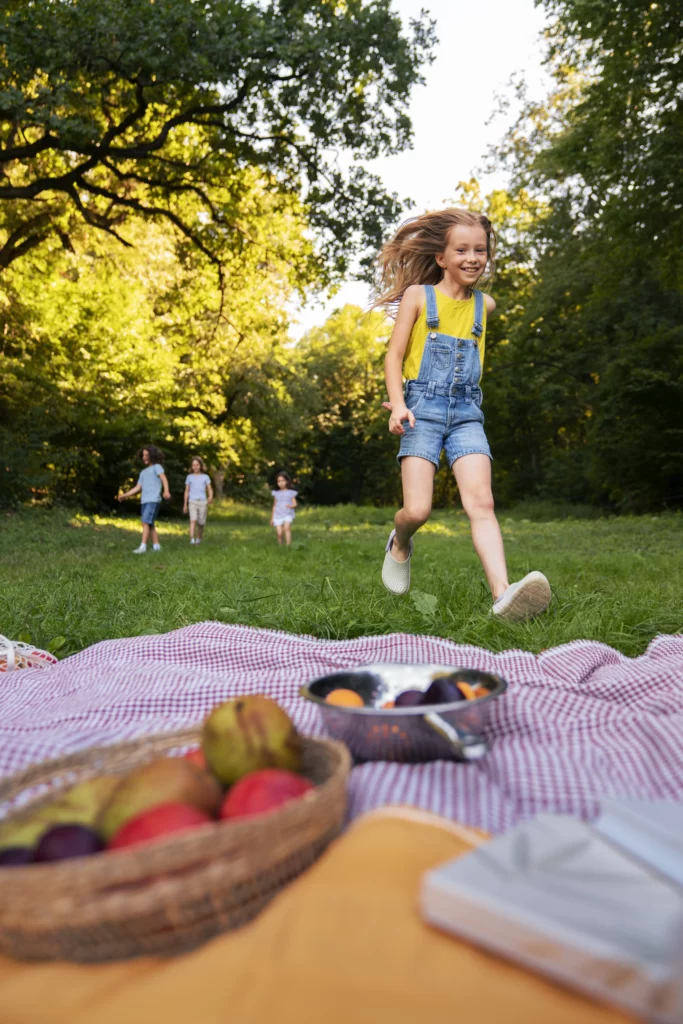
[345,699]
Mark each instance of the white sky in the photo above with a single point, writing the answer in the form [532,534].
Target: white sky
[481,44]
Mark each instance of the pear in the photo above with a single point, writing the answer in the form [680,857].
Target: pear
[247,734]
[164,780]
[79,805]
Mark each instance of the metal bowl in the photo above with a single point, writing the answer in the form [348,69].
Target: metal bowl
[423,733]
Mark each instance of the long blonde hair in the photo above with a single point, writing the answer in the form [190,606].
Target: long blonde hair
[410,256]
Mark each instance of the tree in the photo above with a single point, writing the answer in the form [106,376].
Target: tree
[600,337]
[155,108]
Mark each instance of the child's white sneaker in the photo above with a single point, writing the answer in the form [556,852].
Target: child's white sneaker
[192,541]
[524,599]
[141,550]
[396,575]
[156,547]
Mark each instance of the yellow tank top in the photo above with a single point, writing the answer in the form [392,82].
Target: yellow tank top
[456,317]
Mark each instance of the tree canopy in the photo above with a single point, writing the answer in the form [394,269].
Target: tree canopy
[156,108]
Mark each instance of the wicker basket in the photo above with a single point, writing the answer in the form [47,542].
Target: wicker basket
[15,654]
[168,896]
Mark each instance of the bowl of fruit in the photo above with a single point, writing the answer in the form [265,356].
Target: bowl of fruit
[408,712]
[153,846]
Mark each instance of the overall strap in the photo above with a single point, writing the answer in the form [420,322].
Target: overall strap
[432,308]
[478,325]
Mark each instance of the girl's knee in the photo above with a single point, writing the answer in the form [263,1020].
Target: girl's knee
[479,504]
[416,515]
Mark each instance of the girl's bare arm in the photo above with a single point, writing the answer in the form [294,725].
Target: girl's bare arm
[164,483]
[186,497]
[408,312]
[209,493]
[130,493]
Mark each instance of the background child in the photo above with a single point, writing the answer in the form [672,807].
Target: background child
[284,503]
[431,267]
[198,497]
[150,482]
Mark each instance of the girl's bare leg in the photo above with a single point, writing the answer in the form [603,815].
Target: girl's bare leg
[154,535]
[417,477]
[473,476]
[278,530]
[200,531]
[288,533]
[192,526]
[145,533]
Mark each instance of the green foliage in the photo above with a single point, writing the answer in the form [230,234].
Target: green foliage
[112,109]
[617,580]
[590,384]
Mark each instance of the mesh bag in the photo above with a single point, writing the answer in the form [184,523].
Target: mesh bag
[14,654]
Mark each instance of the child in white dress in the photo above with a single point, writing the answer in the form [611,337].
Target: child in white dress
[284,503]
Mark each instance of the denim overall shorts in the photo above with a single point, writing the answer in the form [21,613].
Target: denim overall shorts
[446,398]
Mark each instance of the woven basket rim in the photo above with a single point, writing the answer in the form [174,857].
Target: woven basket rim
[150,859]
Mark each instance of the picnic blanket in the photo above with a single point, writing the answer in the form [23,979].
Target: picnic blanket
[578,721]
[343,943]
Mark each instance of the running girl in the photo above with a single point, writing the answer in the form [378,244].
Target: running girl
[431,268]
[150,483]
[284,503]
[198,497]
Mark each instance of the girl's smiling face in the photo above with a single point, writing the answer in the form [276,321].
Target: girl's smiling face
[465,256]
[282,482]
[145,457]
[196,466]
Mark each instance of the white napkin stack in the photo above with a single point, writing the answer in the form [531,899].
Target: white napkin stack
[558,898]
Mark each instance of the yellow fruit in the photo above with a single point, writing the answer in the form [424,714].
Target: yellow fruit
[165,780]
[345,699]
[79,805]
[247,734]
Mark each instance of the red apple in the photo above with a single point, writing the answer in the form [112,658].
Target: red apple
[263,791]
[197,757]
[156,822]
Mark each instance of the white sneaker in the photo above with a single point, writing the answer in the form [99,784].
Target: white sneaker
[396,575]
[156,547]
[524,599]
[192,540]
[141,550]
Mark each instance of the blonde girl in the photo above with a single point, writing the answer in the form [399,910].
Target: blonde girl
[198,496]
[430,270]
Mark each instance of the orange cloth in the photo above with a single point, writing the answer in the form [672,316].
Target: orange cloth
[343,944]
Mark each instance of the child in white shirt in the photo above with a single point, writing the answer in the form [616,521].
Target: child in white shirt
[284,503]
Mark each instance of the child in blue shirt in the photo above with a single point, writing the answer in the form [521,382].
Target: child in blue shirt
[150,483]
[198,497]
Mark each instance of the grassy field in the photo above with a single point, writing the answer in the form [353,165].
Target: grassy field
[71,580]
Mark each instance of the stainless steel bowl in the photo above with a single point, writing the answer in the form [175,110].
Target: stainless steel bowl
[439,731]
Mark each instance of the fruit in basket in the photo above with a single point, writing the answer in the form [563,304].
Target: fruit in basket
[249,733]
[78,805]
[197,757]
[409,699]
[345,698]
[164,780]
[15,856]
[63,842]
[442,690]
[157,822]
[263,791]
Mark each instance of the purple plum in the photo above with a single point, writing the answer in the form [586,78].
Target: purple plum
[62,842]
[409,699]
[442,691]
[14,856]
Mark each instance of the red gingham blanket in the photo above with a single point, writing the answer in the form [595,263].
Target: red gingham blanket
[577,722]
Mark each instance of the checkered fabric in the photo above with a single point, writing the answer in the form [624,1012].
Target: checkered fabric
[577,722]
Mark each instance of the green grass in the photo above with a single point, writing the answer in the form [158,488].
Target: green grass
[69,576]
